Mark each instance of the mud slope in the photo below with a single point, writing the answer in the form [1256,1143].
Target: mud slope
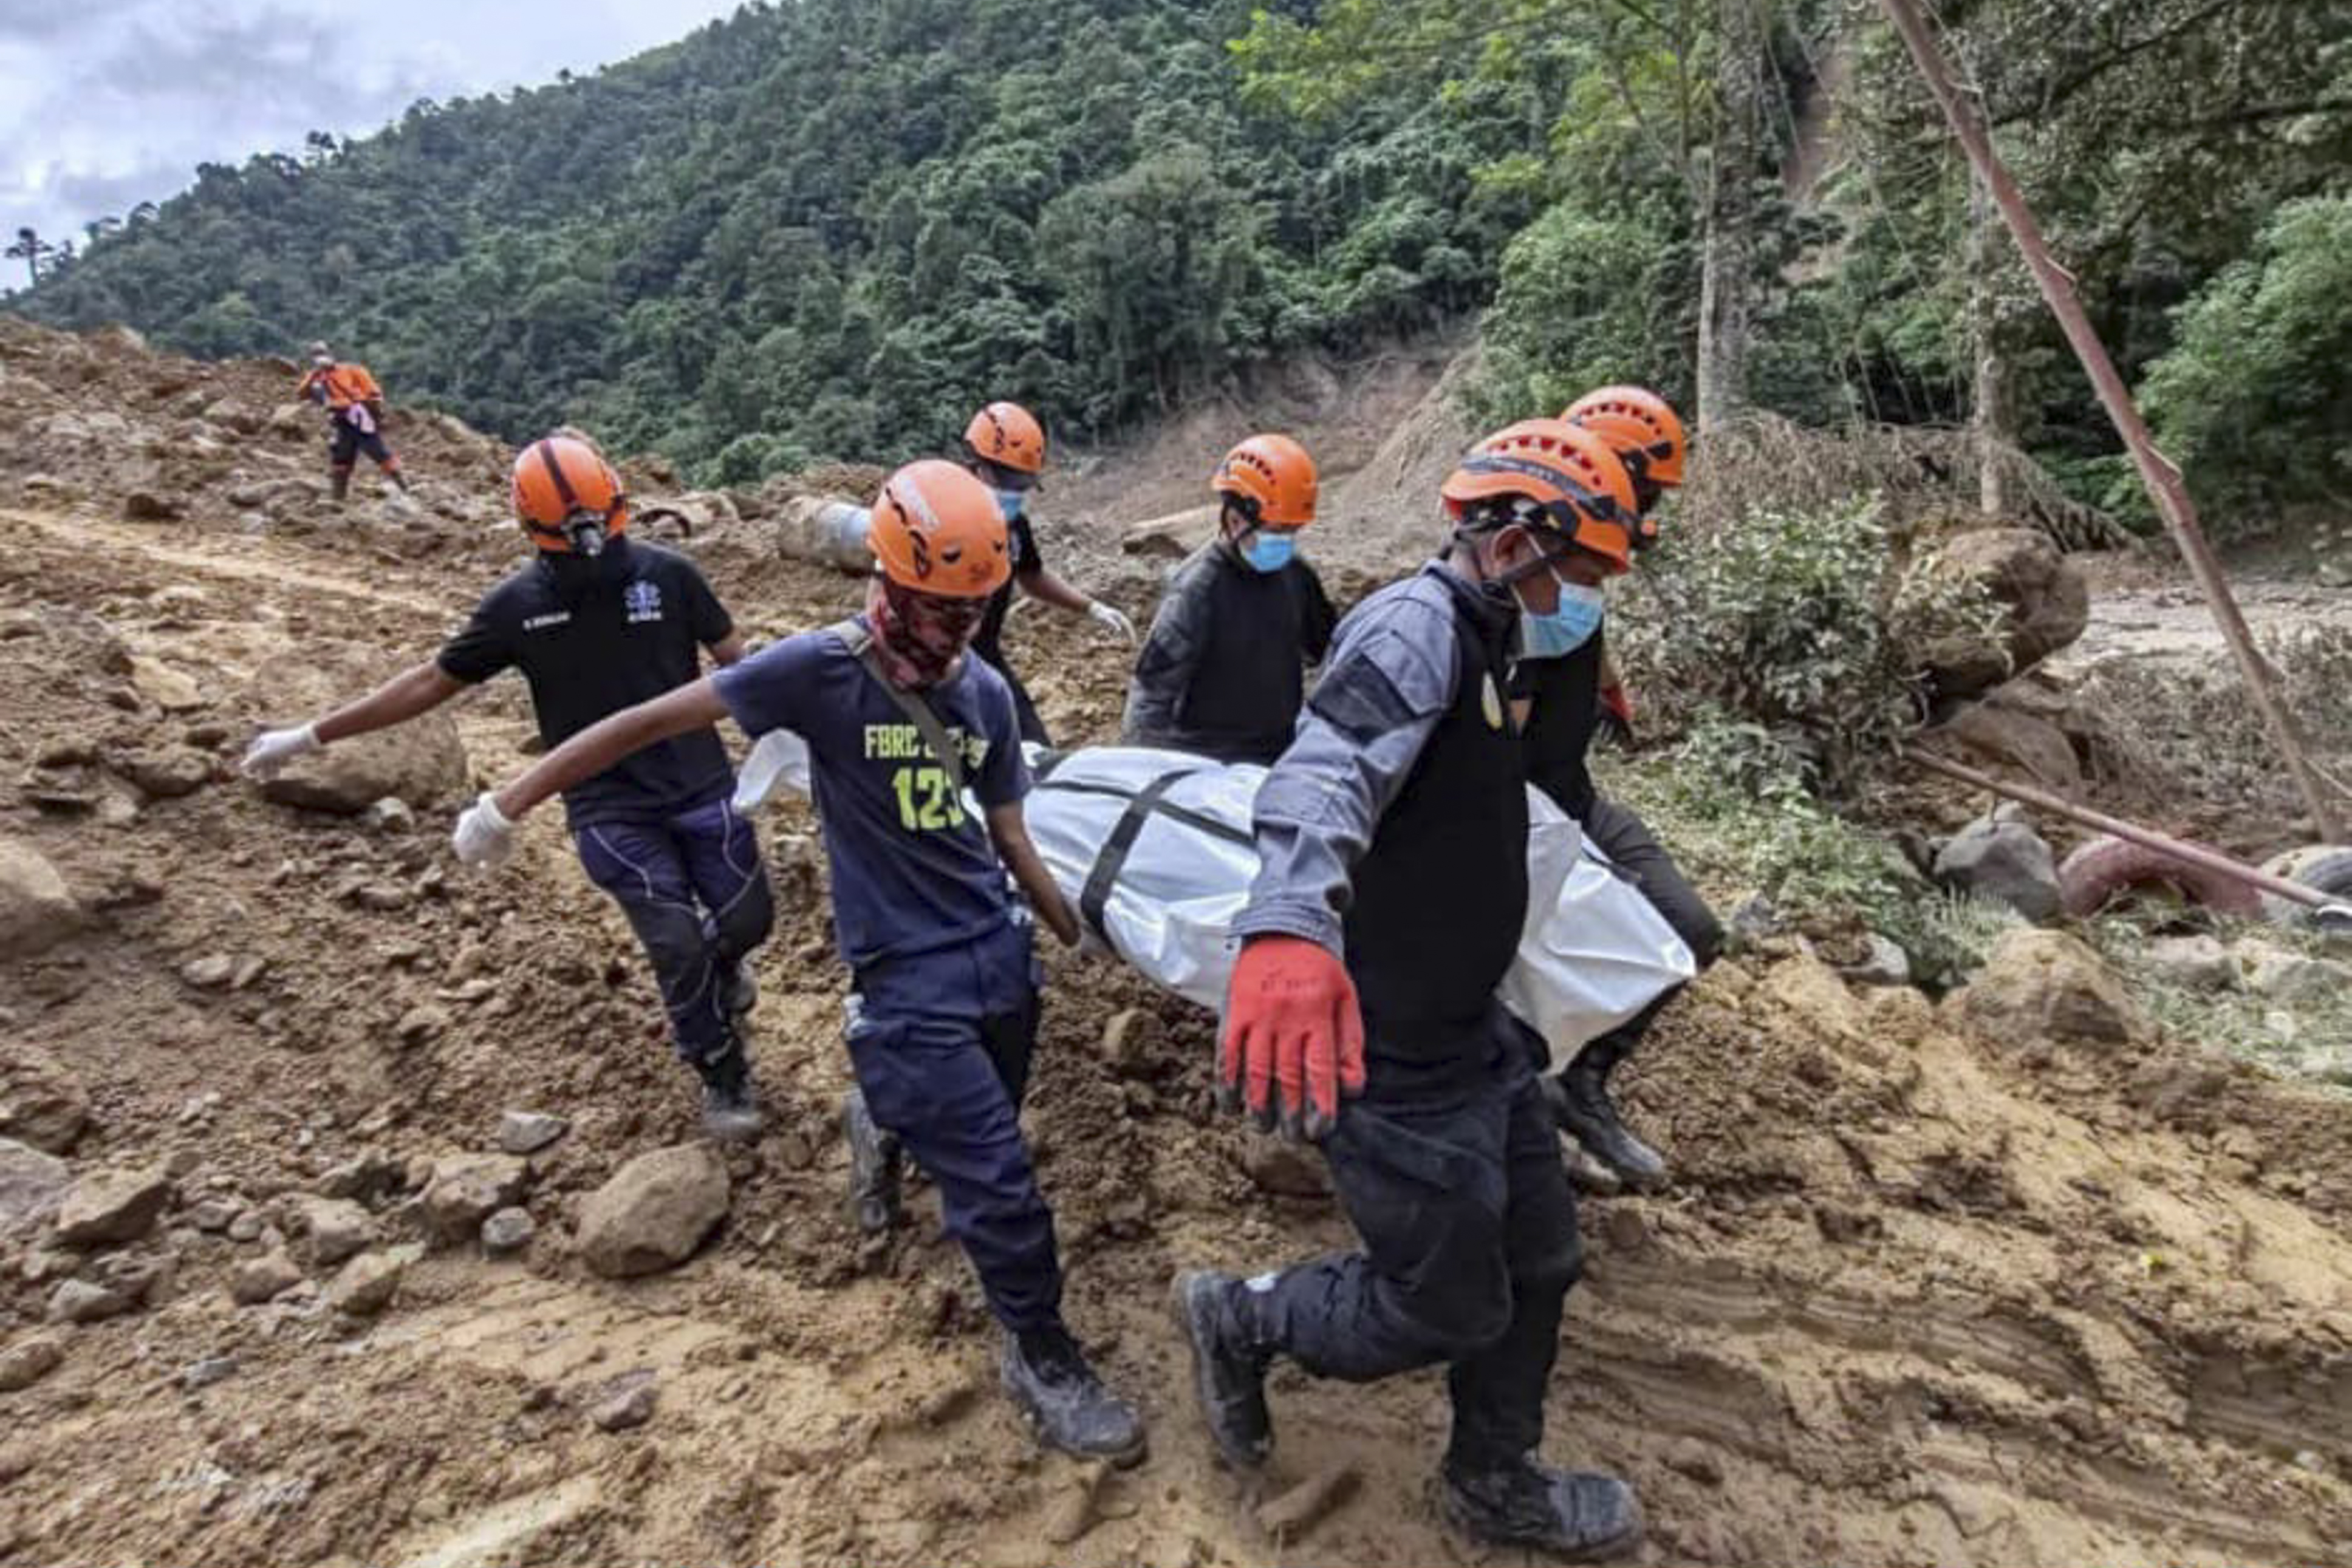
[1919,1299]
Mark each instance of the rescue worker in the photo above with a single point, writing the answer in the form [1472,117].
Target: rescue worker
[899,725]
[1394,831]
[1222,671]
[597,622]
[355,406]
[1564,690]
[1004,447]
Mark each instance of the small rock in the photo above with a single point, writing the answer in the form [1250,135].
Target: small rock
[112,1206]
[27,1360]
[1292,1514]
[36,909]
[382,897]
[2199,963]
[1134,1042]
[1080,1508]
[422,1023]
[654,1211]
[335,1229]
[466,1189]
[32,1184]
[369,1175]
[262,1279]
[1887,965]
[82,1301]
[631,1407]
[1282,1168]
[2000,857]
[1752,920]
[528,1131]
[167,775]
[146,507]
[212,1215]
[367,1283]
[204,1374]
[41,1102]
[508,1230]
[1696,1461]
[391,815]
[210,972]
[245,1227]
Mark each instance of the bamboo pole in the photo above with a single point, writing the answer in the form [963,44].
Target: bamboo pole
[2156,472]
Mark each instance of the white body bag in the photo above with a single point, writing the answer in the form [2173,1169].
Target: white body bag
[1154,849]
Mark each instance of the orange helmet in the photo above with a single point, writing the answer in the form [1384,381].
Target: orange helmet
[1579,485]
[1271,479]
[1639,426]
[1008,435]
[567,496]
[937,529]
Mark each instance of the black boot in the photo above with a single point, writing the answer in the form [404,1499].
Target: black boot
[339,484]
[739,988]
[731,1106]
[1579,1103]
[875,1162]
[1578,1515]
[1228,1370]
[1048,1375]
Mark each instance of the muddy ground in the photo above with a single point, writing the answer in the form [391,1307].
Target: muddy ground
[1918,1297]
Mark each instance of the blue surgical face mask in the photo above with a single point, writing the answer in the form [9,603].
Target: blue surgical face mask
[1267,550]
[1568,628]
[1012,503]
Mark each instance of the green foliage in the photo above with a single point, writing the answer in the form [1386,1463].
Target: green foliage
[1807,626]
[1730,798]
[833,229]
[2255,401]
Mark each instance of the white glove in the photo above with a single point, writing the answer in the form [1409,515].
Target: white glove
[484,836]
[272,749]
[1111,617]
[779,756]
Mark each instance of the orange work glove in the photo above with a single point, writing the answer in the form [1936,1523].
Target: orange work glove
[1294,1037]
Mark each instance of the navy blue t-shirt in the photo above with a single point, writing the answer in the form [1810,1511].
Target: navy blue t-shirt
[913,870]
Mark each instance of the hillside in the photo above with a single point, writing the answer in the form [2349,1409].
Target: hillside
[786,235]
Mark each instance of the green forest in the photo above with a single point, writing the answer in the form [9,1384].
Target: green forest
[826,230]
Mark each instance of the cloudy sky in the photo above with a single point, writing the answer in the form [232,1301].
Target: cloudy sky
[108,103]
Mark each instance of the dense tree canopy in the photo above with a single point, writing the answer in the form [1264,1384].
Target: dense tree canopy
[819,229]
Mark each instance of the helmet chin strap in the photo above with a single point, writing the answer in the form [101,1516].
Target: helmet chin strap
[587,538]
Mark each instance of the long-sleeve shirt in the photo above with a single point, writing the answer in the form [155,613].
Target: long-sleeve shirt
[1222,671]
[1392,674]
[339,385]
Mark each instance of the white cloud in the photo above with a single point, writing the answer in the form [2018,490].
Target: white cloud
[106,103]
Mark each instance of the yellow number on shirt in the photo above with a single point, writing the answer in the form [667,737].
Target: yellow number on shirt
[927,801]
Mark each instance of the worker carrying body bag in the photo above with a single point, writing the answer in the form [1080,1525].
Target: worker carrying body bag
[1154,849]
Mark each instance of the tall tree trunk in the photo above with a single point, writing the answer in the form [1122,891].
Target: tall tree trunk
[1726,258]
[1990,421]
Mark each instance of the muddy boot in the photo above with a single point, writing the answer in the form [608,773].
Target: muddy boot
[1228,1371]
[1576,1515]
[398,478]
[874,1161]
[1579,1103]
[731,1106]
[339,484]
[1048,1375]
[1587,1175]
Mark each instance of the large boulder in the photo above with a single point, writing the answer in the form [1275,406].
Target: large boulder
[41,1102]
[654,1211]
[2047,601]
[37,911]
[2047,985]
[2000,857]
[2021,742]
[422,762]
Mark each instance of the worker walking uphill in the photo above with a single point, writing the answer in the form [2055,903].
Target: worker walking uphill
[595,623]
[1223,668]
[905,735]
[1004,447]
[355,406]
[1564,690]
[1394,830]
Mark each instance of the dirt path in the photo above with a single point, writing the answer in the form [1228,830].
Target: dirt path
[1918,1299]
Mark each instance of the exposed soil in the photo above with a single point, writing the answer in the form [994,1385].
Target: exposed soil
[1917,1298]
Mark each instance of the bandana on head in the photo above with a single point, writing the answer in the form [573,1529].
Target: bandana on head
[919,636]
